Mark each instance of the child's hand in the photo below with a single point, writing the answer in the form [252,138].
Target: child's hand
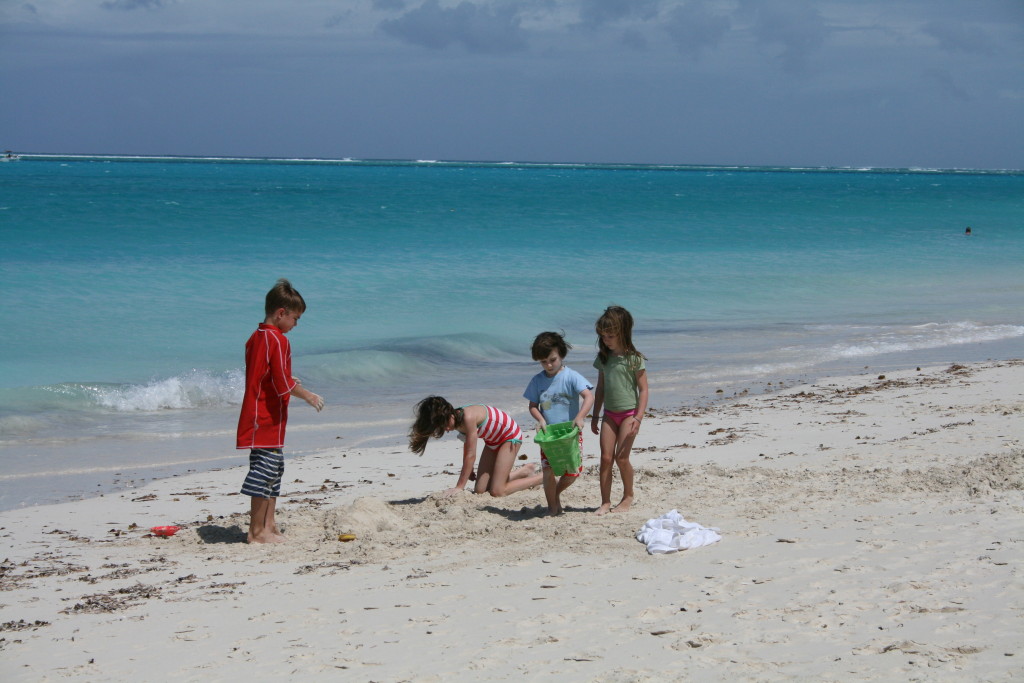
[594,426]
[634,425]
[316,401]
[308,396]
[453,491]
[579,424]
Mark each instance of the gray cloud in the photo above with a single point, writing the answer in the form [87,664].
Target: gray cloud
[947,85]
[337,20]
[477,28]
[129,5]
[594,13]
[795,30]
[957,36]
[634,40]
[694,28]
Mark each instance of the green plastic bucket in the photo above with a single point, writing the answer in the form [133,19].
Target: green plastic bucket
[561,445]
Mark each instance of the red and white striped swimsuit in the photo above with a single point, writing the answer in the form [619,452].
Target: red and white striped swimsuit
[498,428]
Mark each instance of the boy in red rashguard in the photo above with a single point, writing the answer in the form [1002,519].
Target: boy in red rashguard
[269,386]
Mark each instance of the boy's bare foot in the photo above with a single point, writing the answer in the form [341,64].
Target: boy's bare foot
[555,512]
[624,504]
[604,509]
[265,538]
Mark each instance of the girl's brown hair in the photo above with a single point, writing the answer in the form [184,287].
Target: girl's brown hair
[618,321]
[432,415]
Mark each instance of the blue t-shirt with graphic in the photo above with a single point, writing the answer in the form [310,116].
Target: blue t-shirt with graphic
[557,397]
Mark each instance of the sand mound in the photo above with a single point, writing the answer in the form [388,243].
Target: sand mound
[365,517]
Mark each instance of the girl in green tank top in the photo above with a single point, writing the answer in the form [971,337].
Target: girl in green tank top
[622,392]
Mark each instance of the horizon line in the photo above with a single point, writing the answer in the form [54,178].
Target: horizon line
[49,156]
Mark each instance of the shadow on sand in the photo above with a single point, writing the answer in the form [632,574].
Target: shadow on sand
[211,534]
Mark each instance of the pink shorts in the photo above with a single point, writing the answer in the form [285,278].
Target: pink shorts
[544,461]
[618,417]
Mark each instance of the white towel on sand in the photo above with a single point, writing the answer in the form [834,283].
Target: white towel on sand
[670,532]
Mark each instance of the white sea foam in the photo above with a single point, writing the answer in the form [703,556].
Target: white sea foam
[856,341]
[925,336]
[12,426]
[196,389]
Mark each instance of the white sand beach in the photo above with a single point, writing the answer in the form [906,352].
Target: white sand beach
[872,529]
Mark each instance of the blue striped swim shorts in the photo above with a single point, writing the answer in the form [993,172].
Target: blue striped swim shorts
[266,467]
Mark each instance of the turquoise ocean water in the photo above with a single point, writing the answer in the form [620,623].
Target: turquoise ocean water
[130,287]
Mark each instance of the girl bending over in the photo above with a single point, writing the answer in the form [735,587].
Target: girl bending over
[496,428]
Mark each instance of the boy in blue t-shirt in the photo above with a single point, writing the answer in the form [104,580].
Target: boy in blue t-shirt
[554,396]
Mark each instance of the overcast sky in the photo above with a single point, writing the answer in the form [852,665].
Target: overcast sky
[904,83]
